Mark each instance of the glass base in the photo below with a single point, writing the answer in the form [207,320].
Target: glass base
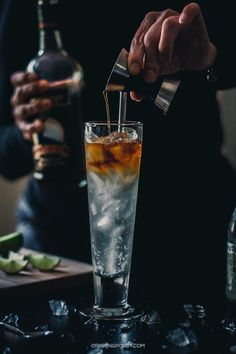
[128,313]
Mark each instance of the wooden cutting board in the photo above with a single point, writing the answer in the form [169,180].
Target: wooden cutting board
[69,274]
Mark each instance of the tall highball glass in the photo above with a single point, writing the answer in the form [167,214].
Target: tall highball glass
[113,155]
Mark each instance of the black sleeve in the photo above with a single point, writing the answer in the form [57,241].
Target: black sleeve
[220,21]
[224,65]
[18,44]
[15,153]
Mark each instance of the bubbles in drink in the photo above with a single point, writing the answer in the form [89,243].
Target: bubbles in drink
[112,170]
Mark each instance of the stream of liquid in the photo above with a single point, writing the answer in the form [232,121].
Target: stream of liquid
[122,109]
[106,99]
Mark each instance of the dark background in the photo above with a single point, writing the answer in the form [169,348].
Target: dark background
[187,190]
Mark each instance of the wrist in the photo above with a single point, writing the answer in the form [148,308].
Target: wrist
[211,57]
[211,73]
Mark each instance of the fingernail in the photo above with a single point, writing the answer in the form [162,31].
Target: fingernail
[136,97]
[135,68]
[150,75]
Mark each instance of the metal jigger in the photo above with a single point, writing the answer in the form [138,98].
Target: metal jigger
[161,92]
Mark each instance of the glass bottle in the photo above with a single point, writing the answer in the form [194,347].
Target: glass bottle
[231,260]
[58,149]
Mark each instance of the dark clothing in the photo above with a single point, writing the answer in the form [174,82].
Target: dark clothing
[187,189]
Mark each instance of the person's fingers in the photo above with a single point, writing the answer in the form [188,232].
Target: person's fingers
[136,96]
[170,30]
[189,13]
[22,112]
[151,43]
[23,93]
[21,77]
[38,106]
[28,129]
[136,53]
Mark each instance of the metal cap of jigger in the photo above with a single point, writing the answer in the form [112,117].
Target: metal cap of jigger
[161,92]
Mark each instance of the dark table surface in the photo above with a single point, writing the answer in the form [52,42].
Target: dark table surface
[29,326]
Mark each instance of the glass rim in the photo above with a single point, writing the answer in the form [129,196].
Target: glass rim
[113,123]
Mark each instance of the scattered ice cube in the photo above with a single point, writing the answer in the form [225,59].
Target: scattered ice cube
[193,340]
[194,311]
[185,325]
[11,319]
[228,325]
[58,307]
[96,351]
[189,310]
[152,317]
[200,311]
[152,322]
[233,349]
[41,327]
[177,337]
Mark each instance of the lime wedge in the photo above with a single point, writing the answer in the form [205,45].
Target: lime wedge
[12,266]
[13,256]
[43,262]
[13,242]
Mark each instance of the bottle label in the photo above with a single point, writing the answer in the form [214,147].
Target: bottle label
[58,146]
[55,152]
[53,147]
[231,265]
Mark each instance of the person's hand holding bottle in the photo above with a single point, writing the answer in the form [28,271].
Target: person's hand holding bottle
[24,104]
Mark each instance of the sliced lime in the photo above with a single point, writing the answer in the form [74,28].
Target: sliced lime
[12,266]
[13,256]
[13,242]
[43,262]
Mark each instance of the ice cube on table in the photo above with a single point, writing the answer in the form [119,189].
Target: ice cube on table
[42,328]
[152,317]
[96,351]
[233,349]
[228,325]
[200,311]
[177,337]
[59,307]
[194,311]
[12,319]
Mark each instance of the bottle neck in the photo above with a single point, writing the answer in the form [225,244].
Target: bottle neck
[50,40]
[50,36]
